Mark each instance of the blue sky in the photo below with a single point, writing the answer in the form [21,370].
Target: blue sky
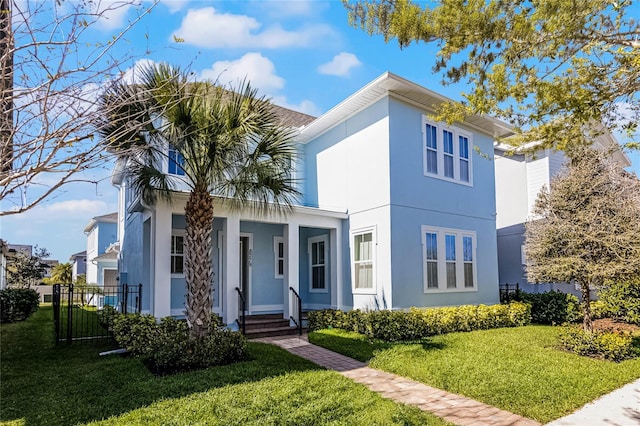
[302,54]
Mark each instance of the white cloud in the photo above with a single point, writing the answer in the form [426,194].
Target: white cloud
[207,28]
[341,65]
[174,5]
[112,13]
[256,68]
[131,75]
[306,106]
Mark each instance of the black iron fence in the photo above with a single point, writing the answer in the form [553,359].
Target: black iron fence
[76,310]
[509,292]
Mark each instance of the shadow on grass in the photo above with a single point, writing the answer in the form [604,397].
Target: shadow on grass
[358,346]
[45,384]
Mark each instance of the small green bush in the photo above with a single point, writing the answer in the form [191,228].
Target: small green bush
[107,316]
[18,304]
[622,300]
[612,346]
[553,307]
[600,309]
[393,326]
[165,347]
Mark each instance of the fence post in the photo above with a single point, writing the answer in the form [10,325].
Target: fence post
[56,311]
[70,315]
[125,296]
[139,298]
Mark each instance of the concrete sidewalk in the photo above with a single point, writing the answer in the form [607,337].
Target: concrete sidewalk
[619,408]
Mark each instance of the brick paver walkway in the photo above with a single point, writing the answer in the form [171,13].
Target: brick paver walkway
[453,408]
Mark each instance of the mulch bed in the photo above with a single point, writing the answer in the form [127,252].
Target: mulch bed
[608,324]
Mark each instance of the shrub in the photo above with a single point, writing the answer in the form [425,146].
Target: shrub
[600,309]
[553,307]
[622,299]
[608,345]
[17,304]
[392,326]
[165,347]
[107,316]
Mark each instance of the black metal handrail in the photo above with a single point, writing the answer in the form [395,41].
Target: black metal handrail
[297,307]
[509,292]
[241,309]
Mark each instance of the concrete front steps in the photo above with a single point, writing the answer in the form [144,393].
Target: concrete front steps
[268,325]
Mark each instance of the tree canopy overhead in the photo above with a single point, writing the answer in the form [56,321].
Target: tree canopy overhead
[550,67]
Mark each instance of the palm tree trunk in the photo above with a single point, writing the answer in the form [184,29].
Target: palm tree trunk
[198,262]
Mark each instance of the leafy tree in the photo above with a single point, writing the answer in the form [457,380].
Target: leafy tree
[25,269]
[51,71]
[551,67]
[230,143]
[62,273]
[587,227]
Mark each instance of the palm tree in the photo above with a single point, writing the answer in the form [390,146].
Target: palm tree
[230,144]
[62,273]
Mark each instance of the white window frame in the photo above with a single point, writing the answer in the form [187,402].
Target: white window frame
[457,132]
[276,258]
[310,242]
[177,233]
[374,241]
[442,261]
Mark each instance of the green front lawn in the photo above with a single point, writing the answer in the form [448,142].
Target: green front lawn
[43,384]
[516,369]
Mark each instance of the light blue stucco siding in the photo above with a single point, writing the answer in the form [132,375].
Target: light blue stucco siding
[135,262]
[418,200]
[313,300]
[107,234]
[266,291]
[178,284]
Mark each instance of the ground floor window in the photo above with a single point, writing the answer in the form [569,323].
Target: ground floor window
[448,259]
[317,247]
[177,252]
[363,258]
[278,251]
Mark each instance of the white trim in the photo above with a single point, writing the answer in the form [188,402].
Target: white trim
[249,268]
[264,308]
[276,258]
[221,281]
[177,233]
[314,240]
[374,242]
[441,262]
[456,133]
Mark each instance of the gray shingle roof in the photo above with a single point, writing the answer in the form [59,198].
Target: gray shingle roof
[293,118]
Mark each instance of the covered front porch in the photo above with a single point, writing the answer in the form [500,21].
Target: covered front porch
[261,264]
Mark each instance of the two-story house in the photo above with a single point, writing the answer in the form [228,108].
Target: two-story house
[78,264]
[102,255]
[520,176]
[396,211]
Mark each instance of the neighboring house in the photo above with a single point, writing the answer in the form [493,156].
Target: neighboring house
[79,263]
[396,211]
[102,237]
[519,179]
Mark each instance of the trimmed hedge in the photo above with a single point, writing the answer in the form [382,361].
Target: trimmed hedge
[613,346]
[552,307]
[165,347]
[17,304]
[393,326]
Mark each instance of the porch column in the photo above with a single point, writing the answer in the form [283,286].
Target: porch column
[292,254]
[231,269]
[161,249]
[335,243]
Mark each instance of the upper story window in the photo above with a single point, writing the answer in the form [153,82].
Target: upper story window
[176,162]
[447,152]
[449,259]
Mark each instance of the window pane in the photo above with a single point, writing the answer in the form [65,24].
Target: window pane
[318,277]
[468,274]
[280,249]
[364,275]
[450,244]
[464,170]
[467,247]
[451,275]
[177,264]
[281,267]
[464,147]
[431,137]
[314,253]
[432,161]
[179,246]
[321,253]
[448,166]
[362,246]
[447,141]
[432,246]
[432,274]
